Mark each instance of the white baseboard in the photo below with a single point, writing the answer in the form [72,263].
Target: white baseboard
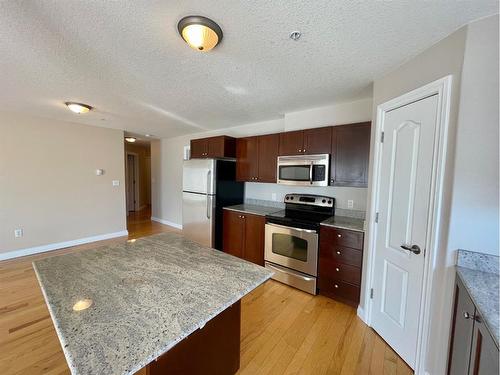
[166,222]
[60,245]
[361,314]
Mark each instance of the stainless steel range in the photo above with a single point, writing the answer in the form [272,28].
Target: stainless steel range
[292,239]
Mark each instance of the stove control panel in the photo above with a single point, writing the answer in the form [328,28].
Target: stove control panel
[310,199]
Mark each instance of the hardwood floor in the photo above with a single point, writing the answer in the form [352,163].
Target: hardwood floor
[284,331]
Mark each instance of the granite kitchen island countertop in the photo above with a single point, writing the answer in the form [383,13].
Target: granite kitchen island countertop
[146,296]
[253,209]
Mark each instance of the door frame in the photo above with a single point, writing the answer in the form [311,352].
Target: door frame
[136,178]
[441,88]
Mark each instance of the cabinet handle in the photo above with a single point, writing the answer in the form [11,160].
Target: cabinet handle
[243,216]
[304,150]
[336,286]
[338,252]
[466,315]
[337,269]
[300,150]
[339,235]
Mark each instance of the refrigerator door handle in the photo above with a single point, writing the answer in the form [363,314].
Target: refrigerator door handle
[209,175]
[209,206]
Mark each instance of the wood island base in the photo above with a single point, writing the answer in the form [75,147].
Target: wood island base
[214,349]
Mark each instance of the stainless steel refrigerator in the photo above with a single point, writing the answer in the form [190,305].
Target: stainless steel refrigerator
[208,186]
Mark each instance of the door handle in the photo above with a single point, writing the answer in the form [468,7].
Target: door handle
[311,173]
[209,206]
[415,249]
[209,175]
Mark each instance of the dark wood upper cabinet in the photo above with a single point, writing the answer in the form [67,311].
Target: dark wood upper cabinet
[243,236]
[268,154]
[199,148]
[306,142]
[291,143]
[317,141]
[213,147]
[256,158]
[247,159]
[350,154]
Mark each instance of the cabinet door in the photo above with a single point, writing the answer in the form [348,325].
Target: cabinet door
[461,332]
[233,233]
[221,147]
[318,141]
[484,354]
[350,154]
[247,162]
[199,148]
[254,238]
[268,154]
[291,143]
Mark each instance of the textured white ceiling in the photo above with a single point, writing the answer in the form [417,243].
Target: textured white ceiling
[127,60]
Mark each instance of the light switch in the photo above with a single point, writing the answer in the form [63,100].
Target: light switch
[350,203]
[116,183]
[99,172]
[18,233]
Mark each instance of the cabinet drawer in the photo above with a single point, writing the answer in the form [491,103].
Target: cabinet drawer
[340,271]
[341,254]
[343,237]
[340,290]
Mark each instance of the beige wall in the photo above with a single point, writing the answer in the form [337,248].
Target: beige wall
[48,181]
[144,154]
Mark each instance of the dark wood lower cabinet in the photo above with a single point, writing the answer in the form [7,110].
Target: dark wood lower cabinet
[472,349]
[340,260]
[211,350]
[243,236]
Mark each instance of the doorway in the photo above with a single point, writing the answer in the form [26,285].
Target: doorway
[132,170]
[410,150]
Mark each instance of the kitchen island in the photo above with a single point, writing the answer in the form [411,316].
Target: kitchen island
[119,308]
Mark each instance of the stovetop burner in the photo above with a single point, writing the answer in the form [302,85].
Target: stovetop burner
[304,211]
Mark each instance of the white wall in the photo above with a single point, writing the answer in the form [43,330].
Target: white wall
[48,182]
[470,56]
[166,159]
[474,209]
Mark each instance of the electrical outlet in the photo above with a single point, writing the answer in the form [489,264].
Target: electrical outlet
[116,183]
[350,203]
[273,196]
[18,233]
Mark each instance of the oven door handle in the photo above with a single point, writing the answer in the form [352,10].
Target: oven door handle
[292,228]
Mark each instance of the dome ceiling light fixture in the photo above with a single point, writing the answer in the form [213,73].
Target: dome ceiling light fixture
[295,35]
[130,139]
[78,107]
[200,33]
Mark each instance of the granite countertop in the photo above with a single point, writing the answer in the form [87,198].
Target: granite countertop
[253,209]
[147,296]
[344,222]
[483,288]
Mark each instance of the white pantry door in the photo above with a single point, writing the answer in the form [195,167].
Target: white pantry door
[403,211]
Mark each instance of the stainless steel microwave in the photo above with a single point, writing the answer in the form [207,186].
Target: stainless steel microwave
[303,170]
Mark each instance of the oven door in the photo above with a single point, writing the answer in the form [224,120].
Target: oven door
[311,170]
[294,248]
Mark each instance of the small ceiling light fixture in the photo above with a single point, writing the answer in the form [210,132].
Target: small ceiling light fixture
[147,135]
[199,32]
[78,107]
[130,139]
[295,35]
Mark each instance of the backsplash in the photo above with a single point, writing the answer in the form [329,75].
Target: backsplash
[276,193]
[338,211]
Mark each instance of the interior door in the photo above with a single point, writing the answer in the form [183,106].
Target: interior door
[401,232]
